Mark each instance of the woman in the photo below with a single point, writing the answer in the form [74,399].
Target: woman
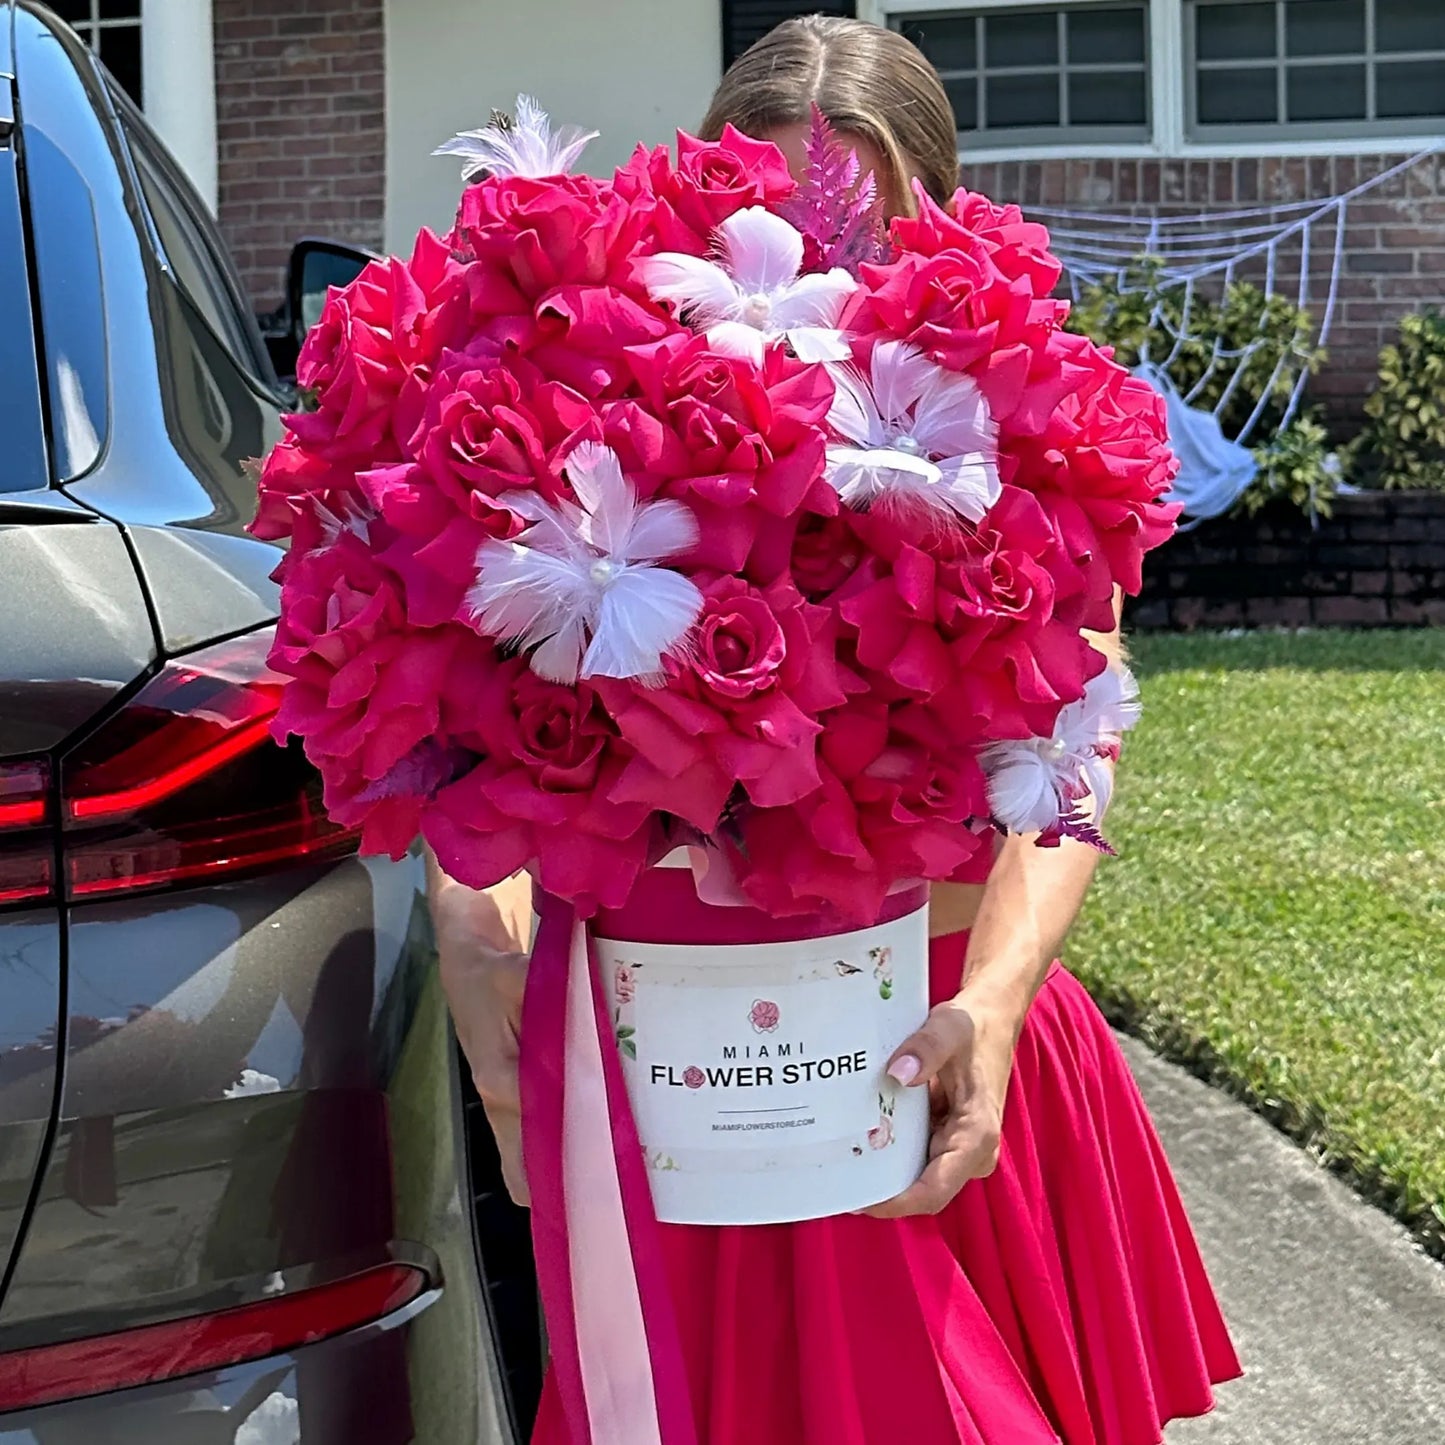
[1040,1280]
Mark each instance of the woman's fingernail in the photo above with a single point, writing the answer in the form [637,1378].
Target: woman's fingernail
[905,1069]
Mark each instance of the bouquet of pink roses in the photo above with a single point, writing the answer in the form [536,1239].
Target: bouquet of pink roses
[693,505]
[695,508]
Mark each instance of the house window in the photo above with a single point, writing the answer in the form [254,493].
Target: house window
[1041,74]
[1314,68]
[112,29]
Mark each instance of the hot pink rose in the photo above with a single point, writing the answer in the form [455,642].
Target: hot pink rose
[484,431]
[741,446]
[765,1016]
[584,334]
[375,339]
[525,237]
[711,181]
[738,644]
[389,809]
[827,551]
[365,689]
[983,620]
[295,480]
[898,798]
[798,859]
[1101,467]
[978,300]
[1017,247]
[544,794]
[739,711]
[434,545]
[913,788]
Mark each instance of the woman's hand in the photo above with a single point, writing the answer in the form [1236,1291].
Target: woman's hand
[963,1055]
[482,941]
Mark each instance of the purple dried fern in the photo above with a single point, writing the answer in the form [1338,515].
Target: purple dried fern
[836,207]
[1078,827]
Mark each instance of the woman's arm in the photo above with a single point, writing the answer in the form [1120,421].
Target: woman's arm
[964,1052]
[483,942]
[1030,902]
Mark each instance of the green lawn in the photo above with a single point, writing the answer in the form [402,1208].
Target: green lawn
[1277,917]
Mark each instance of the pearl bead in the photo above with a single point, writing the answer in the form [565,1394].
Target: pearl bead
[757,309]
[908,444]
[602,571]
[1055,748]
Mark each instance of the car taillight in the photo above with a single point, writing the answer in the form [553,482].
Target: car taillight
[27,850]
[148,1353]
[184,783]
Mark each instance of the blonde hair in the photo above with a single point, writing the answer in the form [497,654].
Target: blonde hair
[869,82]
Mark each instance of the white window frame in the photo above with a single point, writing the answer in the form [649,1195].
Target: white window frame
[1169,85]
[1036,143]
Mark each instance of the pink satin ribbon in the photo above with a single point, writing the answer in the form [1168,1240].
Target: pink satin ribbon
[611,1322]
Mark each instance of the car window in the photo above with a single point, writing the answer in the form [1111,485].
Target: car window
[195,256]
[72,309]
[62,150]
[22,465]
[189,257]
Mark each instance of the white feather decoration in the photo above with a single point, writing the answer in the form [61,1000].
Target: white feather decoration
[1034,783]
[913,433]
[581,586]
[523,146]
[752,296]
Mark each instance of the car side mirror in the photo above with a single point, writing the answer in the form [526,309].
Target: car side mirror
[314,267]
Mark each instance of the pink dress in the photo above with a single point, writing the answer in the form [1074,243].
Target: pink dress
[1061,1299]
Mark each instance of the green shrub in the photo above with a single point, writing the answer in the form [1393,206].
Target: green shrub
[1297,466]
[1120,312]
[1403,444]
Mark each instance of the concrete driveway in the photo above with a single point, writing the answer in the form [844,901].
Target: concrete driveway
[1339,1319]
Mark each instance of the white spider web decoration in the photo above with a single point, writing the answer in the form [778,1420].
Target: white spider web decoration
[1293,249]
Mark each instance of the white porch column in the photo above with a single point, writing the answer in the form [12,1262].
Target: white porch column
[178,76]
[633,69]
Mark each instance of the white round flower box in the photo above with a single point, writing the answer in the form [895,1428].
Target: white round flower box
[755,1050]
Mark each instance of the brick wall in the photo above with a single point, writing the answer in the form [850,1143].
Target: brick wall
[1394,240]
[300,111]
[1379,561]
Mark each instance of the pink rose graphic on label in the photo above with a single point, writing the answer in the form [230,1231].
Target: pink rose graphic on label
[625,981]
[880,1136]
[693,1077]
[765,1016]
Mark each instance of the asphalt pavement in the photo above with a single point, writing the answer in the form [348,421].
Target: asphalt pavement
[1338,1317]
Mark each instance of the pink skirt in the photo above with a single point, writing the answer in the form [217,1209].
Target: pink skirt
[1061,1299]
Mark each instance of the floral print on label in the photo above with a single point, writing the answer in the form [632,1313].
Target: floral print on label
[880,1136]
[624,988]
[883,970]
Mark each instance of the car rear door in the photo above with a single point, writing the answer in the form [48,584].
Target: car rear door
[74,631]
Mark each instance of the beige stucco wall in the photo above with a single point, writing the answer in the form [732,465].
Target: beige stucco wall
[633,69]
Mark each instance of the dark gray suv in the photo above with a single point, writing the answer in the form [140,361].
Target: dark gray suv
[244,1195]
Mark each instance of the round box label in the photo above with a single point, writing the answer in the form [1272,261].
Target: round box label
[756,1071]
